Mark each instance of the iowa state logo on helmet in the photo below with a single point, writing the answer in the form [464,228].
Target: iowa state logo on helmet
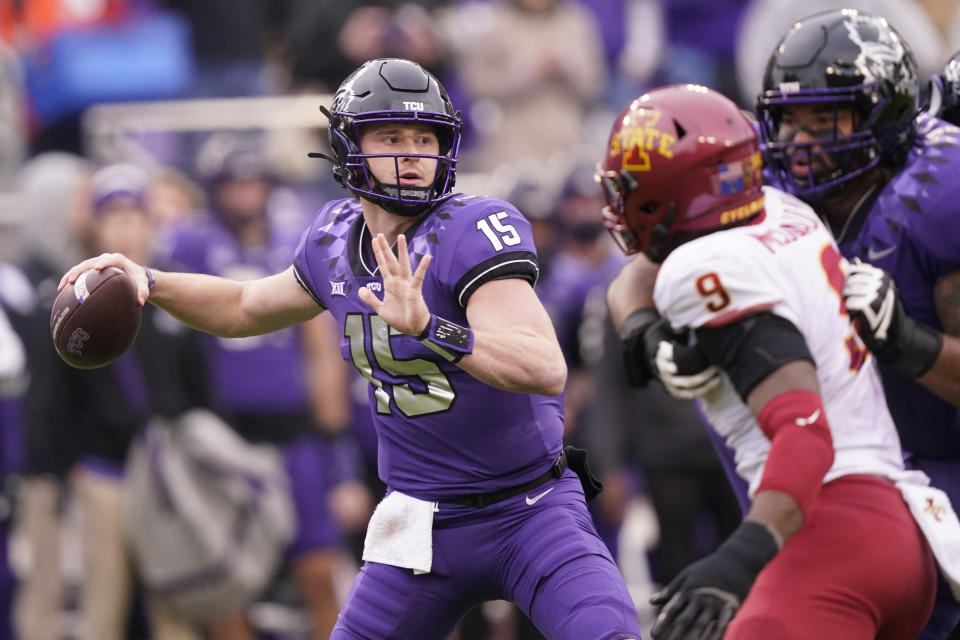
[639,137]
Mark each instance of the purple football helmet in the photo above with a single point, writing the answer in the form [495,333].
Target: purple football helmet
[392,89]
[945,91]
[836,60]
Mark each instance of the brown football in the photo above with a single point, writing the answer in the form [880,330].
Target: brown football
[95,319]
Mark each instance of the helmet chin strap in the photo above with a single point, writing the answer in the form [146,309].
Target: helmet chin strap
[392,198]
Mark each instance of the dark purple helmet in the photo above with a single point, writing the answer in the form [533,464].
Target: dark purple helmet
[842,59]
[945,91]
[392,89]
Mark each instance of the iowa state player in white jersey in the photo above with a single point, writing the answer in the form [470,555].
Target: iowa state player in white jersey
[828,549]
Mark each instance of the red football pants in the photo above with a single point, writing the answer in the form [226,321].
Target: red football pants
[858,569]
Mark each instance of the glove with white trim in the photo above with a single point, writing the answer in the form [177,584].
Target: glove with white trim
[651,349]
[893,337]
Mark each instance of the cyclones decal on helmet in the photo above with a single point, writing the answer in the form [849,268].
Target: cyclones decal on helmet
[392,90]
[849,67]
[681,161]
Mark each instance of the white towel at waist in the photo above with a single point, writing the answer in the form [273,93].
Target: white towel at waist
[400,533]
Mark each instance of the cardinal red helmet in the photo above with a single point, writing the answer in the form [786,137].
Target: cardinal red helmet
[682,161]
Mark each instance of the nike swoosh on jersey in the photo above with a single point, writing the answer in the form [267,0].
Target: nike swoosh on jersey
[802,422]
[873,254]
[532,501]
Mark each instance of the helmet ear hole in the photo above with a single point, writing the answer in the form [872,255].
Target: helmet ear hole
[650,206]
[680,130]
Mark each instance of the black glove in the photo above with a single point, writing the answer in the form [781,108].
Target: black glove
[651,349]
[700,602]
[893,337]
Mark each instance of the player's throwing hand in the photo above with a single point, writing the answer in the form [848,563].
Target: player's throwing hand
[104,260]
[403,306]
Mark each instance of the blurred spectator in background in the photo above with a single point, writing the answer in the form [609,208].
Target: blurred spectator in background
[16,303]
[12,117]
[326,41]
[173,198]
[634,36]
[282,389]
[764,21]
[701,38]
[231,40]
[532,68]
[162,374]
[584,264]
[76,54]
[537,204]
[53,232]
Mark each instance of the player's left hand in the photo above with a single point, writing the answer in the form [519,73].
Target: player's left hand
[701,601]
[651,349]
[684,369]
[403,306]
[702,613]
[893,337]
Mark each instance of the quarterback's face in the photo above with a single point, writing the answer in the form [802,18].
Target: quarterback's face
[806,124]
[395,139]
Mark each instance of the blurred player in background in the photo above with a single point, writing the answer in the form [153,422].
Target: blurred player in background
[753,274]
[163,374]
[464,368]
[281,389]
[839,116]
[945,91]
[17,302]
[54,233]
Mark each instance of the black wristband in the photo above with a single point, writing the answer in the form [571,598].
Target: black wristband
[914,351]
[633,346]
[446,338]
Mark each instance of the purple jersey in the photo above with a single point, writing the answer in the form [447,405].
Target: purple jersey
[912,231]
[259,374]
[441,432]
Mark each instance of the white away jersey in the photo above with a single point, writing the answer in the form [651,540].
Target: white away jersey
[787,264]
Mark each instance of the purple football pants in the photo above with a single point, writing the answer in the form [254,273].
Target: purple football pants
[545,556]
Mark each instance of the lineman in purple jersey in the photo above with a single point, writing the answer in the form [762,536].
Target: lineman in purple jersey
[838,114]
[433,295]
[945,91]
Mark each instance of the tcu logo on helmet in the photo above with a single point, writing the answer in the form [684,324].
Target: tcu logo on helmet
[880,49]
[413,106]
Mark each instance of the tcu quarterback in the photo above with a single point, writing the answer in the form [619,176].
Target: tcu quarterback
[432,291]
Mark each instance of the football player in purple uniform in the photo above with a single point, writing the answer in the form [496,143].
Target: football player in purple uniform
[839,118]
[432,292]
[945,91]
